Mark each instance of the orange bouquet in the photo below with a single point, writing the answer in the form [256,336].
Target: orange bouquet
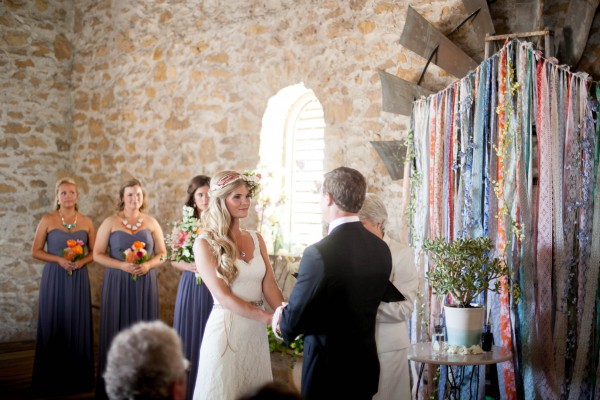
[73,252]
[136,254]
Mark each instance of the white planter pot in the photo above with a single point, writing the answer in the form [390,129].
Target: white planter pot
[464,325]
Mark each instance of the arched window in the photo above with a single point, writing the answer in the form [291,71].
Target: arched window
[291,154]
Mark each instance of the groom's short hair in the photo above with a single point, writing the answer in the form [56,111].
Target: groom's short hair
[347,187]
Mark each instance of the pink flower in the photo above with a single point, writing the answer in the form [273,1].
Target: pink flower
[182,238]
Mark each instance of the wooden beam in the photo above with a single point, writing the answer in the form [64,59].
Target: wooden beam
[421,37]
[398,95]
[518,35]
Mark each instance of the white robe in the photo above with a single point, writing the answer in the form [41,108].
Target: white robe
[391,329]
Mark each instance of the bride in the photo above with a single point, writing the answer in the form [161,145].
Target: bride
[233,263]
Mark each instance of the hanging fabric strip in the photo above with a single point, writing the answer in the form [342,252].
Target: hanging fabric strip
[447,163]
[459,160]
[486,145]
[505,325]
[477,175]
[437,167]
[595,256]
[544,378]
[559,97]
[581,385]
[466,108]
[526,74]
[491,143]
[420,214]
[570,190]
[453,188]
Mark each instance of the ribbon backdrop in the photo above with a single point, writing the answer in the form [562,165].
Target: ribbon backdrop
[511,152]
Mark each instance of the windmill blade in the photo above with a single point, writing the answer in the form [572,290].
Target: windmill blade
[421,37]
[576,30]
[392,153]
[482,22]
[398,94]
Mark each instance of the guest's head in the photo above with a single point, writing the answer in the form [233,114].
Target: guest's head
[373,215]
[197,194]
[132,195]
[272,391]
[145,361]
[346,188]
[66,193]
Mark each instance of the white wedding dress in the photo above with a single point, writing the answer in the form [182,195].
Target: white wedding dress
[234,355]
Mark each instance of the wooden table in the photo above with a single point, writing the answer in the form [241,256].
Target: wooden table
[421,352]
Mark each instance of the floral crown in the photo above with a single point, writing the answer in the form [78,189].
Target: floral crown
[251,178]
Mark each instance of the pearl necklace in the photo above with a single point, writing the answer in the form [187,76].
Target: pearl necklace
[134,227]
[68,226]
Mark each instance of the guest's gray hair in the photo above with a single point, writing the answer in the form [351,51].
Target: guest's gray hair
[374,210]
[144,362]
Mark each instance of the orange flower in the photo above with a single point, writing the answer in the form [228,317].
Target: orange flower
[77,250]
[138,245]
[130,257]
[71,243]
[70,256]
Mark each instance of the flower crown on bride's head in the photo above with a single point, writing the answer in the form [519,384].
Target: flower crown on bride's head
[251,178]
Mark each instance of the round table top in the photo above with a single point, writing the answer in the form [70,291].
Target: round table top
[421,352]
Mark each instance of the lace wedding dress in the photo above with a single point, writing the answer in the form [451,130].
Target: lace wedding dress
[234,356]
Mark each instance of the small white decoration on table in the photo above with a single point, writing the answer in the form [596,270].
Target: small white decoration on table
[463,350]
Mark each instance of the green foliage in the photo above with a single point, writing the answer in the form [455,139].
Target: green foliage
[464,269]
[295,349]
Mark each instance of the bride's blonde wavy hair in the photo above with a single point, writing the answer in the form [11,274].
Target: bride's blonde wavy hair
[216,221]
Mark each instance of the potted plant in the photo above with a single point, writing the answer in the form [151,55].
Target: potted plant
[463,269]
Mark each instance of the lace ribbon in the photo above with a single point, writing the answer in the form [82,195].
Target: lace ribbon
[544,376]
[227,323]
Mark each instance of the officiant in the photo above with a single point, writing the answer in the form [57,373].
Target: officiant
[391,328]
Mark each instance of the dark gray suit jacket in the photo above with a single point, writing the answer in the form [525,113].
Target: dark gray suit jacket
[341,282]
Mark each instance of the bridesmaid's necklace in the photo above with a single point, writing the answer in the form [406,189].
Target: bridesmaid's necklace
[134,227]
[68,226]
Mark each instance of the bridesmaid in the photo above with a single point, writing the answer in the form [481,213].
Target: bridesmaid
[130,287]
[194,301]
[64,347]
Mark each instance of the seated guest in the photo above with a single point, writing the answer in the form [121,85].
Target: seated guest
[391,329]
[145,361]
[272,391]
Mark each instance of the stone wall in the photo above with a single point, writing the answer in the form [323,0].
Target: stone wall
[35,124]
[164,90]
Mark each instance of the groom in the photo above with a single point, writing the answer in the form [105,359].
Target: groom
[341,282]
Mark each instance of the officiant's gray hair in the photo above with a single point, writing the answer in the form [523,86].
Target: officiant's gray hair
[374,210]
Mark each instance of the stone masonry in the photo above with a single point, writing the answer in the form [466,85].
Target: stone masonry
[162,90]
